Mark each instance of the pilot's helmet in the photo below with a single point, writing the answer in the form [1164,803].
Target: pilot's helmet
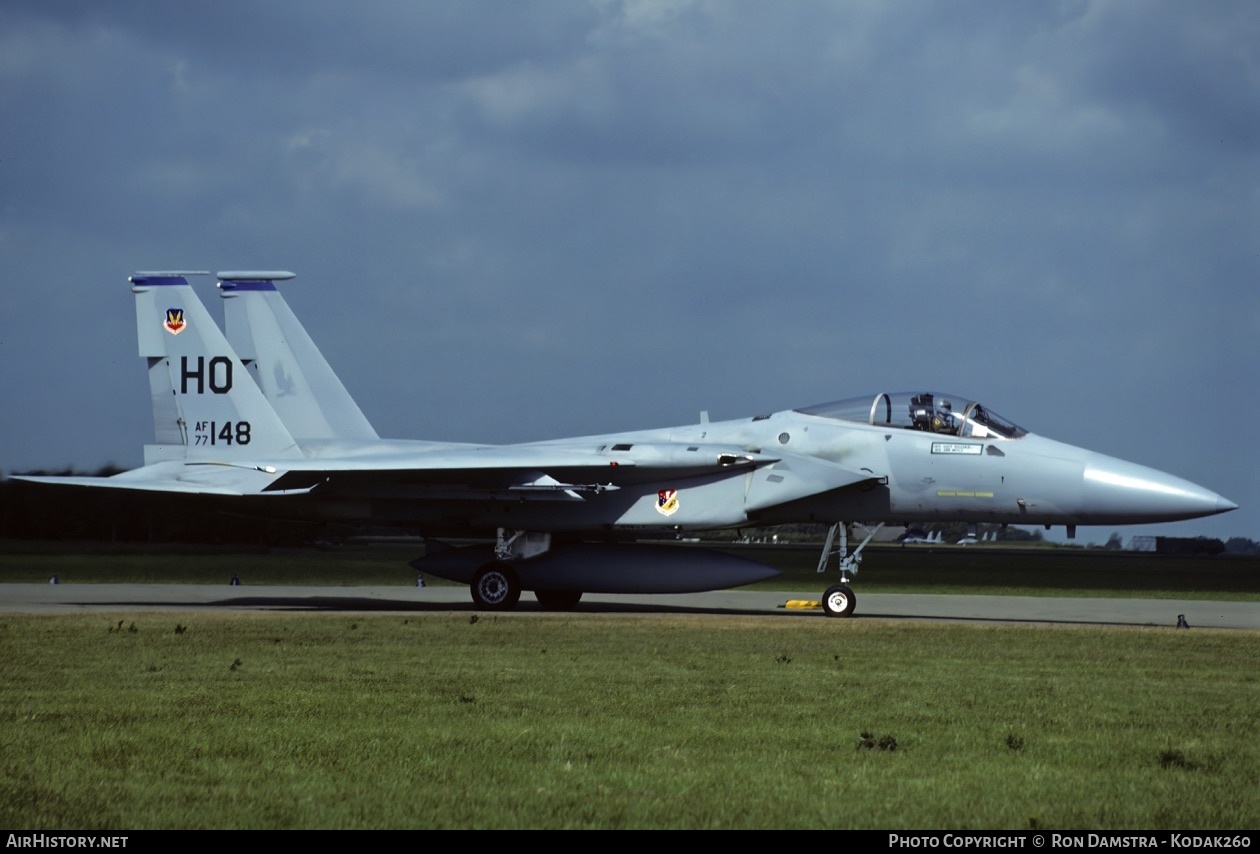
[946,405]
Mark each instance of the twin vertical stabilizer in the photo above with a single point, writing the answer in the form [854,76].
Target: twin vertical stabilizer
[205,403]
[293,375]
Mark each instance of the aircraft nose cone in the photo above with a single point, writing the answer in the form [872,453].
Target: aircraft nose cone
[1127,492]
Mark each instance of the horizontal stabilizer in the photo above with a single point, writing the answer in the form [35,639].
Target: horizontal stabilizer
[254,275]
[176,477]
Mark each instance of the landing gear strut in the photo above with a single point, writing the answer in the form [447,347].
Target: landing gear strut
[839,600]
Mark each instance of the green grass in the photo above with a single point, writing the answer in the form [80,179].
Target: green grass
[131,721]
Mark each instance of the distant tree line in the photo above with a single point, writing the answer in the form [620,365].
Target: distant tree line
[1241,546]
[1189,546]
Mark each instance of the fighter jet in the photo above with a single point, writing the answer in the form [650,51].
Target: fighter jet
[257,419]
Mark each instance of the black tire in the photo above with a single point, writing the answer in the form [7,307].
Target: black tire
[839,601]
[495,587]
[558,600]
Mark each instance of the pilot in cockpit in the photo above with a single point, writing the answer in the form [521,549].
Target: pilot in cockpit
[944,420]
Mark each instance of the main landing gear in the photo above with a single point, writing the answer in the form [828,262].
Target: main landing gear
[839,600]
[496,585]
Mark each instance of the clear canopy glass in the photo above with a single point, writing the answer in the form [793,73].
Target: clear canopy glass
[929,411]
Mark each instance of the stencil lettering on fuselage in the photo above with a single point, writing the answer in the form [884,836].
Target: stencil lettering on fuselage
[957,448]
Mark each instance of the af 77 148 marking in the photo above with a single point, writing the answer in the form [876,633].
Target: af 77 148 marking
[210,433]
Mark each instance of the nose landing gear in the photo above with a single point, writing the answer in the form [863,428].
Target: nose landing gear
[839,600]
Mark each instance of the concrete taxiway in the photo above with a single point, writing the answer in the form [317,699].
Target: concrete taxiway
[72,598]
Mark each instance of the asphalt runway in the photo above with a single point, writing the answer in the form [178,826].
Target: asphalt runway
[87,598]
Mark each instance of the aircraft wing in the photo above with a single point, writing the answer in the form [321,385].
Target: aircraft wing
[550,472]
[174,476]
[521,472]
[526,471]
[537,468]
[219,430]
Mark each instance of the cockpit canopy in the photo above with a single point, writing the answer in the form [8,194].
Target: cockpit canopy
[929,411]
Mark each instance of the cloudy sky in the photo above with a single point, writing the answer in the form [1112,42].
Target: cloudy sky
[524,220]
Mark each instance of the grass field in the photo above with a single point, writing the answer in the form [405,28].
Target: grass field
[464,720]
[137,721]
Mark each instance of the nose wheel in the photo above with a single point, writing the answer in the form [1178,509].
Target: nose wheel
[839,601]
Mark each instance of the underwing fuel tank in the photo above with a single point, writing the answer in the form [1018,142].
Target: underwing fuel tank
[608,568]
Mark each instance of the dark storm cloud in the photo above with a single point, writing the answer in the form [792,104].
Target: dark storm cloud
[521,220]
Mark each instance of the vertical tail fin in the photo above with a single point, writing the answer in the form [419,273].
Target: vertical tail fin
[293,375]
[203,396]
[168,423]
